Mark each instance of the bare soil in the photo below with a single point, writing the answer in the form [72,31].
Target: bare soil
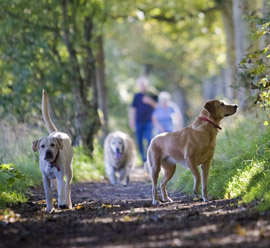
[115,216]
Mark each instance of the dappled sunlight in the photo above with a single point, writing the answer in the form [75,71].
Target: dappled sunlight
[9,216]
[114,216]
[240,182]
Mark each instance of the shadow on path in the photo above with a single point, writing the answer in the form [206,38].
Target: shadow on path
[115,216]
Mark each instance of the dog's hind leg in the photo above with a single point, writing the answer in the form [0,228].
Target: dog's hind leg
[154,177]
[154,167]
[69,177]
[169,170]
[53,184]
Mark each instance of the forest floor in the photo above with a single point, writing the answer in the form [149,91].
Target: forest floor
[114,216]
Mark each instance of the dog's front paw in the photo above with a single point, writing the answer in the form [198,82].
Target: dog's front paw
[50,210]
[155,202]
[206,198]
[168,199]
[62,206]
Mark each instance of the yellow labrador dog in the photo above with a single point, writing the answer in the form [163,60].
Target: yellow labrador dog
[119,156]
[55,160]
[191,146]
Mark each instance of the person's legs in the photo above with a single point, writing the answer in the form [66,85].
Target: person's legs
[139,137]
[148,133]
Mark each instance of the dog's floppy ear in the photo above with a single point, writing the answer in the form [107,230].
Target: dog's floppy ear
[35,145]
[124,144]
[59,143]
[210,107]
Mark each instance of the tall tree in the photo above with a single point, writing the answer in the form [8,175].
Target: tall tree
[102,87]
[226,9]
[241,9]
[53,42]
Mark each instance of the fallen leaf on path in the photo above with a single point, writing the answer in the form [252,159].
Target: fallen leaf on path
[240,230]
[127,218]
[106,205]
[8,216]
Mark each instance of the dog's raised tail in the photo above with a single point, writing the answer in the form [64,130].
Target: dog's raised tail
[45,113]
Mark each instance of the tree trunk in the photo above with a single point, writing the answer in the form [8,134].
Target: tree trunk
[86,114]
[92,121]
[242,43]
[102,88]
[226,8]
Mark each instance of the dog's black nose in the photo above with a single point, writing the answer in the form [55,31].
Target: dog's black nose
[48,154]
[235,107]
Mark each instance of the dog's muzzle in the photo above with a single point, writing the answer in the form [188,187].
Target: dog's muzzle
[118,153]
[48,155]
[234,111]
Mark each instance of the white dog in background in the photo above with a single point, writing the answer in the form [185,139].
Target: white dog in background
[119,156]
[55,160]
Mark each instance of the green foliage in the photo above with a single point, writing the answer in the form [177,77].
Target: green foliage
[41,47]
[10,179]
[87,168]
[12,173]
[19,165]
[257,63]
[241,164]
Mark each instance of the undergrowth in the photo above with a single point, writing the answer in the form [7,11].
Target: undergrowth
[241,164]
[87,168]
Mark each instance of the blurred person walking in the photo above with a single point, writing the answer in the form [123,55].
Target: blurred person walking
[167,117]
[140,115]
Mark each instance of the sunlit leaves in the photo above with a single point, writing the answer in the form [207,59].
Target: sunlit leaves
[12,173]
[257,63]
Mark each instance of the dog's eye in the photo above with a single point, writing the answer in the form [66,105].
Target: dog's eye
[120,143]
[52,145]
[42,146]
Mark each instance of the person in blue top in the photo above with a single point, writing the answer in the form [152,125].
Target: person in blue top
[166,117]
[140,115]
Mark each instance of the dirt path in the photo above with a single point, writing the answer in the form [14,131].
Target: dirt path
[107,216]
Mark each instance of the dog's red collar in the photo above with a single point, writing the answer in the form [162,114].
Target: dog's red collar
[53,163]
[211,122]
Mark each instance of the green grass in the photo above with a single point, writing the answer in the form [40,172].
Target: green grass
[86,168]
[17,151]
[241,164]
